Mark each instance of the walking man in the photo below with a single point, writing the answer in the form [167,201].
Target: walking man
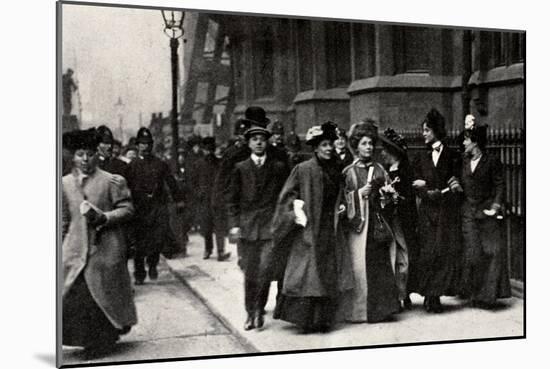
[254,187]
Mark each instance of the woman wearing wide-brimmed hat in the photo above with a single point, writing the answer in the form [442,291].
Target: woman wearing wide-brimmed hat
[370,202]
[307,222]
[98,304]
[484,272]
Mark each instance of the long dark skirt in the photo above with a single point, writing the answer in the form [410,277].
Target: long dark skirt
[310,313]
[84,323]
[485,273]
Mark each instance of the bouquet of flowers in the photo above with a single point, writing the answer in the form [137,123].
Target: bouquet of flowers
[388,193]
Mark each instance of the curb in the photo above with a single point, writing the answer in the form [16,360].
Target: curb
[234,331]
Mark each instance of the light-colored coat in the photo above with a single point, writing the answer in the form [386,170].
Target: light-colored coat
[99,254]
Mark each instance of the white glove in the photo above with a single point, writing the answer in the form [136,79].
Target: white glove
[300,215]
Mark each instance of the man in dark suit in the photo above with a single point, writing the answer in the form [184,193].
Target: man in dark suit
[253,191]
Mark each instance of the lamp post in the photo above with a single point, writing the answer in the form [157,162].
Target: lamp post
[173,28]
[120,111]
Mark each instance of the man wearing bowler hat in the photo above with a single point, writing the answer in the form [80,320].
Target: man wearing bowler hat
[147,176]
[254,187]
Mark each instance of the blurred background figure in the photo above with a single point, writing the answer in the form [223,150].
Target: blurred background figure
[211,216]
[341,150]
[277,134]
[129,154]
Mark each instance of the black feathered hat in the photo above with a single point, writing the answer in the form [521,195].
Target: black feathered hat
[394,142]
[316,134]
[81,140]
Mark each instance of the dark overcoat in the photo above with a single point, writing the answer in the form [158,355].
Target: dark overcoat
[252,197]
[206,168]
[301,276]
[485,270]
[99,254]
[149,180]
[439,225]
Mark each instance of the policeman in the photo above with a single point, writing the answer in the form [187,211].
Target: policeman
[147,177]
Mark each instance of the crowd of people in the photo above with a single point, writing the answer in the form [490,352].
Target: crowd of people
[347,233]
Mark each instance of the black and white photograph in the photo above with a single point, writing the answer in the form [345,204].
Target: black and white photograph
[275,185]
[236,184]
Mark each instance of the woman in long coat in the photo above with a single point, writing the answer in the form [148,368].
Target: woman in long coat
[394,154]
[485,273]
[98,304]
[317,269]
[436,174]
[371,237]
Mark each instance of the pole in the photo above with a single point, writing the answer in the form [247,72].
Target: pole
[174,43]
[466,71]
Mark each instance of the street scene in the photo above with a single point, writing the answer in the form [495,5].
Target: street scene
[233,185]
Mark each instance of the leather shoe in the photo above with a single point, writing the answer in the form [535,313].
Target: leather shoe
[153,273]
[259,320]
[206,255]
[139,282]
[224,256]
[249,324]
[407,303]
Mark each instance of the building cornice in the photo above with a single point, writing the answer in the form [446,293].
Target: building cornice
[333,94]
[511,74]
[405,81]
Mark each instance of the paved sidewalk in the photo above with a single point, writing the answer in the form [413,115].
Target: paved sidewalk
[172,323]
[220,286]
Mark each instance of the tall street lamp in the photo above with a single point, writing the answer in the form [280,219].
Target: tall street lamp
[173,28]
